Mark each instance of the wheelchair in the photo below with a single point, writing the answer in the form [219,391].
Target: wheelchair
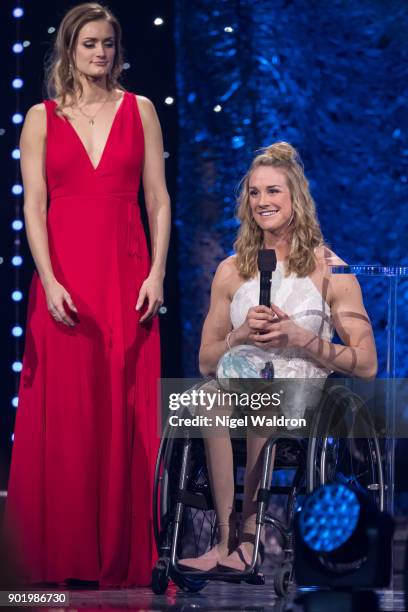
[183,511]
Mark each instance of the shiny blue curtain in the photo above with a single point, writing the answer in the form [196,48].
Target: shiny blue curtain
[330,78]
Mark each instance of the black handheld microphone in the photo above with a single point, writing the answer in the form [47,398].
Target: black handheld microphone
[266,265]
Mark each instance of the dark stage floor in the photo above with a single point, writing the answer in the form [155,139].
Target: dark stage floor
[216,596]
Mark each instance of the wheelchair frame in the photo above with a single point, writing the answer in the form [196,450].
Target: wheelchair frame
[310,472]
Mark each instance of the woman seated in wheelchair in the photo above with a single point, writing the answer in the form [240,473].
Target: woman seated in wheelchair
[308,303]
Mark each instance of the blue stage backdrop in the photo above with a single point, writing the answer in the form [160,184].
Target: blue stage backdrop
[329,77]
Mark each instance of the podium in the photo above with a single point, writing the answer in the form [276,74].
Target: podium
[385,285]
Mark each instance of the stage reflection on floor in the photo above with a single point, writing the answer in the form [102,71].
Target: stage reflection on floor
[216,596]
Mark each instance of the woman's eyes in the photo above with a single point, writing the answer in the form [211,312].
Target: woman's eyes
[255,193]
[90,45]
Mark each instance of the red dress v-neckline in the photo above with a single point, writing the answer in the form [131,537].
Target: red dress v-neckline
[79,139]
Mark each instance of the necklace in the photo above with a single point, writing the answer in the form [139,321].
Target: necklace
[91,118]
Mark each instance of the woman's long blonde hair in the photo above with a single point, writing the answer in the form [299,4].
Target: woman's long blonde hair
[62,79]
[305,230]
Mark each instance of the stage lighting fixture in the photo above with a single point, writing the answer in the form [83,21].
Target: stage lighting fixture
[329,518]
[343,543]
[17,83]
[16,296]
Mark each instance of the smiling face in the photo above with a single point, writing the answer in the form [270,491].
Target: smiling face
[270,199]
[95,49]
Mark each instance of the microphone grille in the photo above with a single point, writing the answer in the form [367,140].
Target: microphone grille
[266,260]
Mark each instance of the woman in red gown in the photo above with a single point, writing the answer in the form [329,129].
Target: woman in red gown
[79,496]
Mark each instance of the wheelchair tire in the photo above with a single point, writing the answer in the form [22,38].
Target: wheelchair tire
[160,580]
[282,580]
[189,584]
[198,525]
[348,460]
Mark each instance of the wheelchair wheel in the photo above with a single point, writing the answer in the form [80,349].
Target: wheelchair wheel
[198,527]
[349,460]
[282,580]
[160,579]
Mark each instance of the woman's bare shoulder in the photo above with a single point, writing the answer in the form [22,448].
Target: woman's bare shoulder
[145,104]
[35,121]
[227,276]
[228,267]
[327,257]
[37,111]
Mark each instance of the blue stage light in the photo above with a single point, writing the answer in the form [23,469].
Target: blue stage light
[14,402]
[15,154]
[329,517]
[17,260]
[17,83]
[17,225]
[237,142]
[18,48]
[17,366]
[18,12]
[17,189]
[17,118]
[16,296]
[17,331]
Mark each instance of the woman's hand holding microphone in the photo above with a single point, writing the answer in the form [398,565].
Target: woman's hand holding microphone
[268,328]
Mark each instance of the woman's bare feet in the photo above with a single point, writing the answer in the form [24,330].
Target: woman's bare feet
[208,561]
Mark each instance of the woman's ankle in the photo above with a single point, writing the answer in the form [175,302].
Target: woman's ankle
[228,533]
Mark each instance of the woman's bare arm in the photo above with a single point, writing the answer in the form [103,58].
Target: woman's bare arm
[32,146]
[157,205]
[358,355]
[218,321]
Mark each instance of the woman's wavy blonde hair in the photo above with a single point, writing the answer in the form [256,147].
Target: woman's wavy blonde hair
[62,79]
[306,234]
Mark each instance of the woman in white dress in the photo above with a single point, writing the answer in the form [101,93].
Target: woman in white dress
[277,212]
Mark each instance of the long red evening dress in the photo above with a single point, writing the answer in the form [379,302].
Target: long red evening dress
[79,496]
